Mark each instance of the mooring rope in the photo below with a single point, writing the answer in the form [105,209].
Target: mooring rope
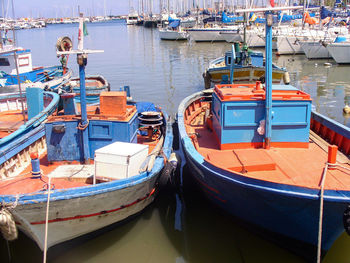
[47,218]
[320,220]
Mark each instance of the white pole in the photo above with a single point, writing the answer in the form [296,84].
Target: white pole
[81,32]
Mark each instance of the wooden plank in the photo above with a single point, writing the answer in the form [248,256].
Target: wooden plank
[341,158]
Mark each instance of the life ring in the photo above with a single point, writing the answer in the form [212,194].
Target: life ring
[64,44]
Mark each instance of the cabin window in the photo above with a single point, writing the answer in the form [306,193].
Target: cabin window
[228,60]
[4,62]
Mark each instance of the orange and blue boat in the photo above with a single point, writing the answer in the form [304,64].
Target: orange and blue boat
[263,155]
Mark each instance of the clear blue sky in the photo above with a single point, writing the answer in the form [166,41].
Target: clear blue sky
[64,8]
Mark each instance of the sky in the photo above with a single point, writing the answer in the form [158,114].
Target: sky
[63,8]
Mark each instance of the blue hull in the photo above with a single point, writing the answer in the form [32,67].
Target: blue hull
[290,211]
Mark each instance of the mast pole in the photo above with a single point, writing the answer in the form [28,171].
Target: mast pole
[268,79]
[82,61]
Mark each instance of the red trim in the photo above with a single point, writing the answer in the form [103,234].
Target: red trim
[246,145]
[23,65]
[96,214]
[207,186]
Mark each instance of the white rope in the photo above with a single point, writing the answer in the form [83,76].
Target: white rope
[47,219]
[320,220]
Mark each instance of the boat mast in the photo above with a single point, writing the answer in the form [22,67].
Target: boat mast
[16,64]
[268,65]
[82,61]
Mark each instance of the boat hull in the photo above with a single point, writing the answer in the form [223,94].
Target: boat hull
[315,49]
[287,210]
[206,35]
[340,52]
[73,217]
[172,35]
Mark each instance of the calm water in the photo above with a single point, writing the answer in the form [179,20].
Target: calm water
[166,72]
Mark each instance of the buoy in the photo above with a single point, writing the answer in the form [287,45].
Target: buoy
[327,64]
[346,109]
[316,64]
[286,78]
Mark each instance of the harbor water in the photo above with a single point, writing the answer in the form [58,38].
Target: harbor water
[181,226]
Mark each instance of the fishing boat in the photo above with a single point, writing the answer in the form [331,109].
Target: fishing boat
[28,75]
[102,166]
[21,127]
[248,67]
[94,85]
[262,154]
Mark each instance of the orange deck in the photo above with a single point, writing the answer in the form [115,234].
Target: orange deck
[293,166]
[24,183]
[10,121]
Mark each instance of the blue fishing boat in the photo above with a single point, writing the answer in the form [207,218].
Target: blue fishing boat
[102,166]
[249,66]
[22,128]
[261,153]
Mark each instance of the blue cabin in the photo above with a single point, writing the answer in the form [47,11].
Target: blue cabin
[239,112]
[114,120]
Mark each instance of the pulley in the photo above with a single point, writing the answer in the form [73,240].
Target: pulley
[150,118]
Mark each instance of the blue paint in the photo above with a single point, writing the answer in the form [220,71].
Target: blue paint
[84,132]
[238,121]
[36,167]
[35,101]
[68,146]
[69,104]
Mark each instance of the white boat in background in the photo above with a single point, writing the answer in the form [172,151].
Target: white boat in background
[232,36]
[340,52]
[315,49]
[132,18]
[254,36]
[188,22]
[171,34]
[173,31]
[290,43]
[209,34]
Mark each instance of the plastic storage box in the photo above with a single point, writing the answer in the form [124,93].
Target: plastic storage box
[119,160]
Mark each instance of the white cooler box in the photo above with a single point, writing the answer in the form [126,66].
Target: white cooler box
[119,160]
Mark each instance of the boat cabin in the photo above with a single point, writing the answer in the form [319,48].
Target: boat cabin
[238,116]
[114,120]
[24,60]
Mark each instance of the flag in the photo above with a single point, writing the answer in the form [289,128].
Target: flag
[85,29]
[272,3]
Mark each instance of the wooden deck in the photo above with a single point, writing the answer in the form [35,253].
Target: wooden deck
[10,121]
[292,166]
